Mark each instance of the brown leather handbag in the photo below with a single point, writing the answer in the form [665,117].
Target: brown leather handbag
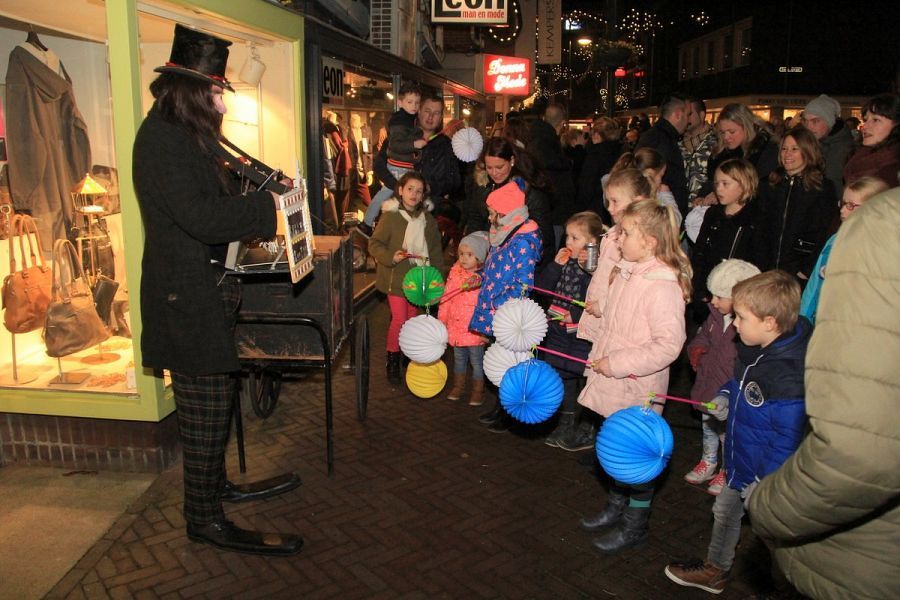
[26,292]
[72,321]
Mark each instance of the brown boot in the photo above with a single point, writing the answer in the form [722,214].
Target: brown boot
[475,398]
[459,386]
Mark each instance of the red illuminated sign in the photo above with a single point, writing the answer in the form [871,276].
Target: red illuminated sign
[506,75]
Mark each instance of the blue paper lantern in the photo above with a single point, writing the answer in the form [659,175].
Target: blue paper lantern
[634,445]
[531,391]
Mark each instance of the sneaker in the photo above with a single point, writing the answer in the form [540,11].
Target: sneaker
[365,230]
[699,574]
[580,438]
[703,471]
[717,483]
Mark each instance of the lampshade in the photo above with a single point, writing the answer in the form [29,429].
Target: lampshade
[89,187]
[634,445]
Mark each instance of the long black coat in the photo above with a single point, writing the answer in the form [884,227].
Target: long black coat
[663,138]
[598,161]
[186,211]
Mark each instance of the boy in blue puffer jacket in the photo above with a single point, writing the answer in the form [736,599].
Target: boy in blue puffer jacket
[764,406]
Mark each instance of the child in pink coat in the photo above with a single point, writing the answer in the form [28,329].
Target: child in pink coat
[456,312]
[641,332]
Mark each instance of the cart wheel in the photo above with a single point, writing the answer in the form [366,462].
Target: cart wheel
[264,392]
[361,352]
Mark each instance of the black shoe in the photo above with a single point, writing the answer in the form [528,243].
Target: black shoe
[492,415]
[258,490]
[580,438]
[630,532]
[226,535]
[502,424]
[610,515]
[365,230]
[393,368]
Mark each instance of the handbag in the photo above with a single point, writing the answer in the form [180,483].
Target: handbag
[26,292]
[6,206]
[104,291]
[72,321]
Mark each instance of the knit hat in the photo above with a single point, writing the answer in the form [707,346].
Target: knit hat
[826,108]
[508,198]
[478,242]
[727,274]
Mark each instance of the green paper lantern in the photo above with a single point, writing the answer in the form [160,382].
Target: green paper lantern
[423,286]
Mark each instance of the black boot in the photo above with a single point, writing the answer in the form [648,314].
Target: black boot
[492,415]
[393,368]
[630,532]
[609,515]
[503,423]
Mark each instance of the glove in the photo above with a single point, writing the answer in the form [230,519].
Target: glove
[694,355]
[721,410]
[745,493]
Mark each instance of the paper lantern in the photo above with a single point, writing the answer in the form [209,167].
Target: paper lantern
[423,339]
[520,324]
[426,380]
[531,391]
[467,144]
[423,285]
[634,445]
[498,360]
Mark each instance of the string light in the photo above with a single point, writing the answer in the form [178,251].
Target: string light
[512,28]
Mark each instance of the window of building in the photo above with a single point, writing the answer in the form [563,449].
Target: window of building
[695,61]
[744,57]
[727,51]
[711,56]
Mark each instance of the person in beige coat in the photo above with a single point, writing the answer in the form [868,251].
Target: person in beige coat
[831,512]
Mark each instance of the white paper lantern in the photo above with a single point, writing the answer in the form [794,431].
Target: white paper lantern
[423,339]
[467,144]
[520,324]
[498,360]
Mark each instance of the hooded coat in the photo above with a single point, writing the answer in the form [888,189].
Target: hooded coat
[456,312]
[388,238]
[831,511]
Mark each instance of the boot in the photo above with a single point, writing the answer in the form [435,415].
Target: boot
[582,437]
[503,423]
[476,397]
[393,368]
[609,515]
[459,386]
[562,430]
[492,415]
[630,532]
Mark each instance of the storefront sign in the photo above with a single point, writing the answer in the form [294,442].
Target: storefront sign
[332,81]
[506,75]
[549,46]
[469,11]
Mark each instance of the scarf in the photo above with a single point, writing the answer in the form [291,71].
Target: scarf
[414,237]
[509,223]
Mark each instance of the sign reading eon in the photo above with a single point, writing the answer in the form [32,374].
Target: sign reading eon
[507,75]
[332,80]
[469,11]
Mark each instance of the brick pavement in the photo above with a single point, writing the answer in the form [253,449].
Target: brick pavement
[424,503]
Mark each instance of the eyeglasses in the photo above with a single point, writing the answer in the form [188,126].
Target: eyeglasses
[851,206]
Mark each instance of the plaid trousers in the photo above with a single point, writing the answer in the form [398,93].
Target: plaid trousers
[204,406]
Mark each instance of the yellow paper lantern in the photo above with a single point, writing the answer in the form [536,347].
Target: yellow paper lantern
[426,380]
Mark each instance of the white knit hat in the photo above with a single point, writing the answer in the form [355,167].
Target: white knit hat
[727,274]
[826,108]
[478,242]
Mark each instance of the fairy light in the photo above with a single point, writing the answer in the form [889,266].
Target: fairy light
[512,28]
[701,18]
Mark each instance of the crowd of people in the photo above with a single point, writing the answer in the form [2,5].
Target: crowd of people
[717,234]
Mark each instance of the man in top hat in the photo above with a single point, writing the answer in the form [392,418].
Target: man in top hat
[188,305]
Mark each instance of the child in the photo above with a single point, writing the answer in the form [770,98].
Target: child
[404,139]
[456,314]
[564,276]
[854,195]
[404,229]
[730,228]
[764,405]
[712,353]
[515,252]
[640,334]
[652,164]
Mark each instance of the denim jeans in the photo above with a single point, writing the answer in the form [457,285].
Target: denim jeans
[383,194]
[465,355]
[712,437]
[727,512]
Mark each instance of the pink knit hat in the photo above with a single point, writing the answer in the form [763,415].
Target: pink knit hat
[507,198]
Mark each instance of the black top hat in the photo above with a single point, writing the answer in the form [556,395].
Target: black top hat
[198,55]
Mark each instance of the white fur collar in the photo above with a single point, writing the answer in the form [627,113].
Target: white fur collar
[392,205]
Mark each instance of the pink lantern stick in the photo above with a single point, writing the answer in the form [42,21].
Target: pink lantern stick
[555,295]
[709,405]
[560,354]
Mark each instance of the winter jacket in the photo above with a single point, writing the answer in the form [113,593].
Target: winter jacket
[544,146]
[836,148]
[796,222]
[716,366]
[831,511]
[766,415]
[809,303]
[663,138]
[641,332]
[722,237]
[388,238]
[883,163]
[402,132]
[696,162]
[507,270]
[186,210]
[456,312]
[608,257]
[437,164]
[572,281]
[762,154]
[598,160]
